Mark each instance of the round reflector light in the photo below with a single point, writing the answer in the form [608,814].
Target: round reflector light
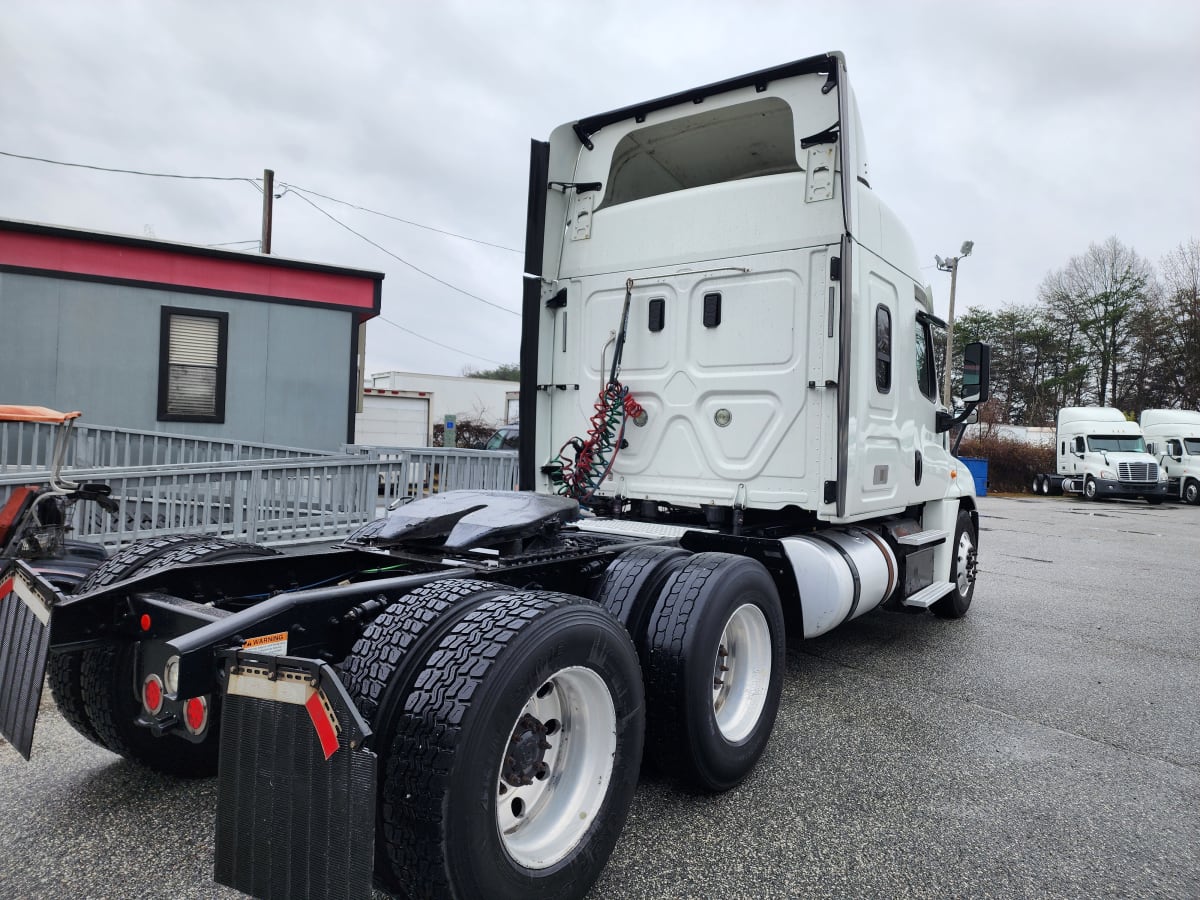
[152,694]
[195,714]
[145,622]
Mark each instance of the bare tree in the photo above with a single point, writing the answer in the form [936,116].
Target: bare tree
[1096,296]
[1181,301]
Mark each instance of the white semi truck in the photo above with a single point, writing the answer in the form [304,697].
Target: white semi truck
[730,428]
[1101,454]
[1173,439]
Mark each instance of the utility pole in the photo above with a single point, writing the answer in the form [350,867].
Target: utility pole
[951,265]
[268,201]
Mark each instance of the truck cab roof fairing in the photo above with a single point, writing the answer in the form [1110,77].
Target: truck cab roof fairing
[825,64]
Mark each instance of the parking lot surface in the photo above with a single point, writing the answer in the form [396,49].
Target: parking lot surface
[1047,745]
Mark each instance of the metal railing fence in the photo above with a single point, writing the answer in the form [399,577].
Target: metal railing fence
[272,501]
[28,445]
[416,471]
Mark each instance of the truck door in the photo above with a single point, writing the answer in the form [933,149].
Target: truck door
[895,457]
[872,475]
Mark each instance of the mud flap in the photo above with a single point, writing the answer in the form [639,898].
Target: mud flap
[296,791]
[25,604]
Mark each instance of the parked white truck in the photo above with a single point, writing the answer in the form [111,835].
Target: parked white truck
[1173,439]
[1101,454]
[730,426]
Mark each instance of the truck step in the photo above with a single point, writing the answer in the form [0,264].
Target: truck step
[922,538]
[635,529]
[926,597]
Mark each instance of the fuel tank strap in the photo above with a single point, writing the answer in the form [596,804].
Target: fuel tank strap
[850,565]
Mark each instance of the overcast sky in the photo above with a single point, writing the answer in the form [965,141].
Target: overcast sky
[1031,128]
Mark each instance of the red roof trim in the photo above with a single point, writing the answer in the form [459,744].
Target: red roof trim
[184,267]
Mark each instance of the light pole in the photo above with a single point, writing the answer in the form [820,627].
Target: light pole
[951,265]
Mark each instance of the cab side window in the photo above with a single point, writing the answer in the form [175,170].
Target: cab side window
[883,349]
[926,380]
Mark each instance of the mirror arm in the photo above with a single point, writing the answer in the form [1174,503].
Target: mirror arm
[945,421]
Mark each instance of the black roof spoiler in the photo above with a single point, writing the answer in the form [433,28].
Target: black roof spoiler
[825,64]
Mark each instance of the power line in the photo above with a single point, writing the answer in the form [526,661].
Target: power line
[59,162]
[401,259]
[255,183]
[398,219]
[439,343]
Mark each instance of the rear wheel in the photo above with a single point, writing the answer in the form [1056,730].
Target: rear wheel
[380,670]
[95,690]
[1038,483]
[517,752]
[714,670]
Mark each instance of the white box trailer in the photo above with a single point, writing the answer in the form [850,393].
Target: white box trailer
[490,401]
[1173,439]
[1101,454]
[394,419]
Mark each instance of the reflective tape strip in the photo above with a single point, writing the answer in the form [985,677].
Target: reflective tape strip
[32,599]
[293,689]
[281,690]
[322,720]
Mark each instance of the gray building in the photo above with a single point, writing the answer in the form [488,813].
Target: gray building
[151,335]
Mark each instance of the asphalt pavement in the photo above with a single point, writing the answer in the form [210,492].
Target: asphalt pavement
[1047,745]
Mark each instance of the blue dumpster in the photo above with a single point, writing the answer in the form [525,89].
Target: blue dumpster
[978,470]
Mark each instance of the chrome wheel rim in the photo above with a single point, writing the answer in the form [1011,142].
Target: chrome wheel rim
[556,769]
[967,562]
[742,672]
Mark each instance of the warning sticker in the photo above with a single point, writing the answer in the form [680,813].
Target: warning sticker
[271,644]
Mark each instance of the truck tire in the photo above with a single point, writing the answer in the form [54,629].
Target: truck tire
[1090,491]
[110,709]
[65,669]
[64,673]
[1039,484]
[1191,493]
[963,568]
[515,759]
[632,584]
[380,670]
[714,670]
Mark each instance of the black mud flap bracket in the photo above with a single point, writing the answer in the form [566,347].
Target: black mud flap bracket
[25,604]
[296,789]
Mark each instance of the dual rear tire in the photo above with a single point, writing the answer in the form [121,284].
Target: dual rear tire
[509,726]
[710,636]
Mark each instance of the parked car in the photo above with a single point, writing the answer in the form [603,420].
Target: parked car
[505,438]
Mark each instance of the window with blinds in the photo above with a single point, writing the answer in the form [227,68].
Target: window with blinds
[192,361]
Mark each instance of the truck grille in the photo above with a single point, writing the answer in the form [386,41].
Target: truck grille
[1137,471]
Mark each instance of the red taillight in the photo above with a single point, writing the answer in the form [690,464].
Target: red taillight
[145,622]
[195,714]
[152,694]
